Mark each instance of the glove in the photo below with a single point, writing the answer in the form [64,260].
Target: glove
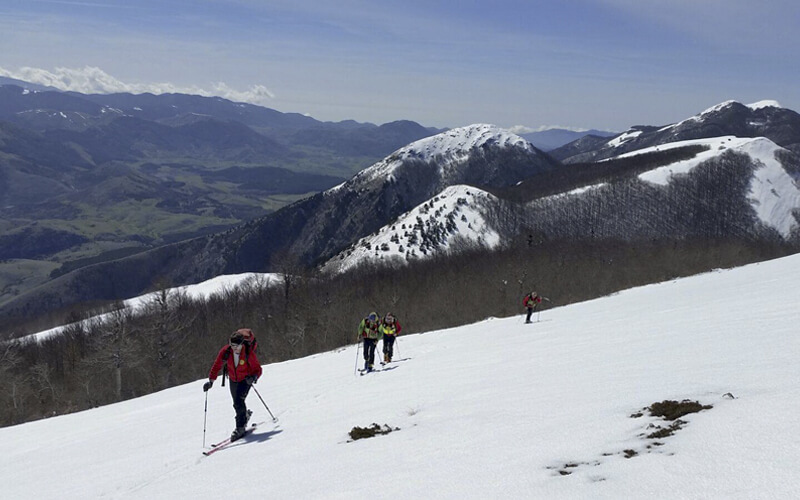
[251,379]
[207,385]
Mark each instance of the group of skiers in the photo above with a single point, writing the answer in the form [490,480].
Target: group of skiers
[371,329]
[238,360]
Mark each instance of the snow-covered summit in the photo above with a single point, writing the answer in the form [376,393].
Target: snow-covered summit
[727,104]
[457,141]
[462,139]
[767,103]
[447,150]
[765,118]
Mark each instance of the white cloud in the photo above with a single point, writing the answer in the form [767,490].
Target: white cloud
[93,80]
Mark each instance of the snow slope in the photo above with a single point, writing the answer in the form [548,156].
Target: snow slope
[774,192]
[496,409]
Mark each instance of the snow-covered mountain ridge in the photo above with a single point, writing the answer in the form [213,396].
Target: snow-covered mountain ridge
[447,150]
[455,214]
[722,106]
[774,196]
[764,118]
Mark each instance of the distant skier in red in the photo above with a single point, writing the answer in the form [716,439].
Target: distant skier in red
[530,302]
[238,359]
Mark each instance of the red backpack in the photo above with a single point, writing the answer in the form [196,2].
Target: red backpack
[250,342]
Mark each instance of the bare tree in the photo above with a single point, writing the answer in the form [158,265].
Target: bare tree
[115,348]
[166,330]
[11,383]
[41,374]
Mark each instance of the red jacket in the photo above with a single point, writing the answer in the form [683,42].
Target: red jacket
[530,302]
[248,364]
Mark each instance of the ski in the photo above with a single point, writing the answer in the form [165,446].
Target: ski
[376,370]
[225,442]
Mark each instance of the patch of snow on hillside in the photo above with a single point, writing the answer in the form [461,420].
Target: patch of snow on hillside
[663,175]
[203,290]
[575,192]
[774,194]
[584,189]
[625,137]
[427,230]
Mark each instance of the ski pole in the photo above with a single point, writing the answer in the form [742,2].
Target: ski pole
[396,349]
[205,416]
[265,404]
[358,348]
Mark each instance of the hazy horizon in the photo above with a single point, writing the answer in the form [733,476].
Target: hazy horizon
[585,64]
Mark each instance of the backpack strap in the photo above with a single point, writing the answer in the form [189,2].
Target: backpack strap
[225,357]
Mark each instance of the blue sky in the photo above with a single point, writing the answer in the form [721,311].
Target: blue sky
[605,64]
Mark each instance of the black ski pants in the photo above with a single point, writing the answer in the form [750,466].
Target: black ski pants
[530,311]
[239,391]
[369,352]
[388,345]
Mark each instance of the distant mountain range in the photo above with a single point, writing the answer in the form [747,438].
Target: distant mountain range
[553,138]
[87,178]
[729,172]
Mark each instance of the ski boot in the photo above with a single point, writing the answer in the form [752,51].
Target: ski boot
[237,433]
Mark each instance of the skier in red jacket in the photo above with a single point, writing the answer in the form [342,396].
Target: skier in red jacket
[237,359]
[530,302]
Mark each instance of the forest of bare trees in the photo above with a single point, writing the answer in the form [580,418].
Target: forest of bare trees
[174,338]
